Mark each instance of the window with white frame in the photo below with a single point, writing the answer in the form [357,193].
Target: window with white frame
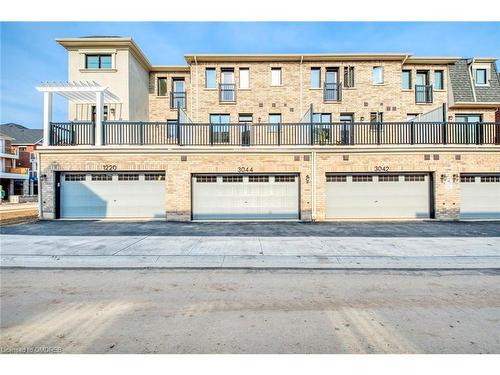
[438,80]
[378,75]
[244,78]
[276,79]
[481,76]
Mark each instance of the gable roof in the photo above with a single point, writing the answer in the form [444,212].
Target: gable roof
[21,134]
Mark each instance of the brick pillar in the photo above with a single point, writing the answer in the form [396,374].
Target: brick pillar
[447,194]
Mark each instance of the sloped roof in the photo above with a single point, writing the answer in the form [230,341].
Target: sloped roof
[462,84]
[21,134]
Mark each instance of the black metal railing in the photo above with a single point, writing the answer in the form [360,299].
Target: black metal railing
[268,134]
[227,92]
[423,94]
[71,133]
[178,99]
[332,92]
[140,133]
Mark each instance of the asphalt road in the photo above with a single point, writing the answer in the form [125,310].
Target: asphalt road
[231,311]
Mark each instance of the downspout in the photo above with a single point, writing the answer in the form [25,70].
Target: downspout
[197,89]
[471,80]
[313,188]
[300,97]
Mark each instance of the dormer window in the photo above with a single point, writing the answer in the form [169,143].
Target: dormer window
[481,75]
[98,62]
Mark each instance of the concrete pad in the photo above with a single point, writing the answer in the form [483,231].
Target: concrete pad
[161,246]
[65,245]
[227,246]
[433,262]
[198,261]
[69,261]
[292,246]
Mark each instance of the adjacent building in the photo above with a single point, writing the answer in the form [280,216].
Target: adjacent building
[272,137]
[22,141]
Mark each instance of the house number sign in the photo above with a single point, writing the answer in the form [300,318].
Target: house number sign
[381,168]
[245,169]
[109,167]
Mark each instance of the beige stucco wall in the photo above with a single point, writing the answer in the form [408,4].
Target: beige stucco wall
[127,79]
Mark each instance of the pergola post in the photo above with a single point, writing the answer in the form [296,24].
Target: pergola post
[99,116]
[47,117]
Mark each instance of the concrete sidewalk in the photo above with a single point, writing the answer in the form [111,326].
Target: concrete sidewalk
[44,251]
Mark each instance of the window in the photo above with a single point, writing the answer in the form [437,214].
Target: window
[22,148]
[375,119]
[162,86]
[94,113]
[154,176]
[101,177]
[414,178]
[128,177]
[406,82]
[258,178]
[210,82]
[172,128]
[378,75]
[232,178]
[206,179]
[467,179]
[439,80]
[276,79]
[178,93]
[245,118]
[388,178]
[274,120]
[284,178]
[336,178]
[220,128]
[244,78]
[349,76]
[490,178]
[98,62]
[362,178]
[469,118]
[315,78]
[481,77]
[74,177]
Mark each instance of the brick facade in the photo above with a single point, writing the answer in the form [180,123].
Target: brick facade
[443,163]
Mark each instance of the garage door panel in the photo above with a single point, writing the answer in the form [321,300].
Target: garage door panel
[371,196]
[124,195]
[251,198]
[480,197]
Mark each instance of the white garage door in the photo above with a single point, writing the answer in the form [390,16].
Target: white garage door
[370,196]
[245,197]
[480,196]
[112,195]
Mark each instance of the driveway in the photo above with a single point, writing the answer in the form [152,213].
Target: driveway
[102,244]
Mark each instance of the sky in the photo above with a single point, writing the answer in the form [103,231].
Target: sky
[29,55]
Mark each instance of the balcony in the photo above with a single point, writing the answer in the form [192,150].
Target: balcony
[15,173]
[284,134]
[227,93]
[9,152]
[178,100]
[423,94]
[332,92]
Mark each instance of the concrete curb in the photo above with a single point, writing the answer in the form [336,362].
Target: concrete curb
[252,262]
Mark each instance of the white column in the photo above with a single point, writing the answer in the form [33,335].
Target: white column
[99,115]
[47,116]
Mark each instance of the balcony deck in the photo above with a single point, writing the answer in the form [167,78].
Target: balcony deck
[284,134]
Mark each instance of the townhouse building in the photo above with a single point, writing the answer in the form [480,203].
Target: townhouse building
[272,137]
[24,142]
